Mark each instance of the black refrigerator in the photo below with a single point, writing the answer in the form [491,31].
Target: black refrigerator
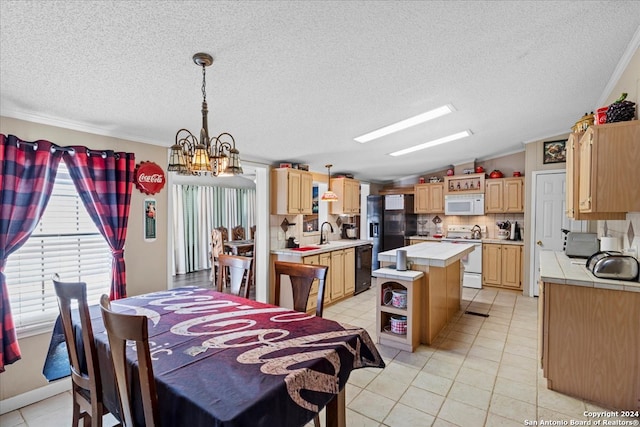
[399,220]
[375,227]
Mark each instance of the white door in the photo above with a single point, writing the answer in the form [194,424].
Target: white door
[548,218]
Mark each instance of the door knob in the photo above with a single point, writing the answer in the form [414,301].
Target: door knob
[539,243]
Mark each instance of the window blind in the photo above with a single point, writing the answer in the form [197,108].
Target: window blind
[66,242]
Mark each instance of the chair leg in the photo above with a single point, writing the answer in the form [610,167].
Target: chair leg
[316,420]
[76,414]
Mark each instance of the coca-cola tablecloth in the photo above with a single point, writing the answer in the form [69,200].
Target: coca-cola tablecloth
[221,360]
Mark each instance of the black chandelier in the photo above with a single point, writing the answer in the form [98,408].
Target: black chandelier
[217,156]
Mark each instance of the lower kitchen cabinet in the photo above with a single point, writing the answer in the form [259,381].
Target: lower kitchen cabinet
[341,278]
[502,265]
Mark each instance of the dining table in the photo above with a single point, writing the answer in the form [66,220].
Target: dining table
[222,360]
[238,247]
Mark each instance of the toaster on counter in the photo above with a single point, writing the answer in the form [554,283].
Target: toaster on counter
[613,265]
[581,245]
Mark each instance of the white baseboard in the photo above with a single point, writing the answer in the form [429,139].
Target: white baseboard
[33,396]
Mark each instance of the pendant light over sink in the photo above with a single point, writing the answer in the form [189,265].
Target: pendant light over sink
[329,196]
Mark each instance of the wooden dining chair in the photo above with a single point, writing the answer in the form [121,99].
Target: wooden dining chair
[86,387]
[235,270]
[224,232]
[302,277]
[120,329]
[237,233]
[217,249]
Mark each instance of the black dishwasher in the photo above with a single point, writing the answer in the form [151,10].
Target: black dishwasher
[363,268]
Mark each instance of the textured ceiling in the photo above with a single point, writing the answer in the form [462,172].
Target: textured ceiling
[297,81]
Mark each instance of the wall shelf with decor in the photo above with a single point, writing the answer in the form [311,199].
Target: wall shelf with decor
[460,184]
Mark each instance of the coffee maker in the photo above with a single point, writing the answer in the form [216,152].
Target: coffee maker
[349,231]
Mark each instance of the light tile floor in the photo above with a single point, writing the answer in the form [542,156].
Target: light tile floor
[479,372]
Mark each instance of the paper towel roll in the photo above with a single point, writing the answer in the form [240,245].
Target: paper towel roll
[609,244]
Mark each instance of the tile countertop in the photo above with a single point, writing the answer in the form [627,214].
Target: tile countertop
[556,267]
[486,240]
[333,245]
[431,255]
[504,242]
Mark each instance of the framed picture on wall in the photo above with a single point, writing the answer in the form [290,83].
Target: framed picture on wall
[554,151]
[150,219]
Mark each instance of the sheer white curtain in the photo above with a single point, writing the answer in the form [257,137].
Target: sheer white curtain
[199,209]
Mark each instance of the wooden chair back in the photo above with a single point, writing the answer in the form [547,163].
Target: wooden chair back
[224,232]
[86,386]
[237,232]
[120,329]
[301,276]
[238,270]
[253,232]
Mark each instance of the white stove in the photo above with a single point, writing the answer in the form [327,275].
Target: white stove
[472,263]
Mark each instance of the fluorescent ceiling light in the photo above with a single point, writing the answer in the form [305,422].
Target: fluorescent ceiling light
[404,124]
[433,143]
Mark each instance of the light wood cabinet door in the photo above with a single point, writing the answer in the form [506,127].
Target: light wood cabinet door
[491,264]
[573,185]
[348,192]
[325,259]
[609,159]
[513,194]
[291,191]
[436,197]
[429,198]
[511,266]
[349,271]
[337,274]
[312,302]
[493,196]
[306,193]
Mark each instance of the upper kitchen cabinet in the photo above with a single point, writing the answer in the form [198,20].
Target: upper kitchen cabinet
[348,192]
[608,174]
[504,195]
[291,191]
[429,198]
[573,180]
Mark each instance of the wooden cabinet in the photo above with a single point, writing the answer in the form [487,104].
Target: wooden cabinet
[502,265]
[608,168]
[429,198]
[337,275]
[349,272]
[412,282]
[460,184]
[348,192]
[572,184]
[590,344]
[504,195]
[343,273]
[291,191]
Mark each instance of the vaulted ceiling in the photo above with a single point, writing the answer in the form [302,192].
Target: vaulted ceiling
[298,81]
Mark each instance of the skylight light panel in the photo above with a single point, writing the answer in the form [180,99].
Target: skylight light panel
[433,143]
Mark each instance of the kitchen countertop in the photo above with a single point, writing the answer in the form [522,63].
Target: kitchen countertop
[556,267]
[427,254]
[485,240]
[333,245]
[503,242]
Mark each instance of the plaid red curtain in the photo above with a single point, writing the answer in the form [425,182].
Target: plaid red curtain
[104,181]
[27,173]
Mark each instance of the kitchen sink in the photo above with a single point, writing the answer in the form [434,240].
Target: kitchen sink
[305,248]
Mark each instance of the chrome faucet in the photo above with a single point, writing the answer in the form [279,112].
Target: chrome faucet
[322,238]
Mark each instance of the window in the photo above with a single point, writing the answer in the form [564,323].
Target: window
[67,242]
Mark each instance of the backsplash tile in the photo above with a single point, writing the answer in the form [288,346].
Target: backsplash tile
[626,231]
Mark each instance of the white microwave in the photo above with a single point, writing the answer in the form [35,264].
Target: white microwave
[464,204]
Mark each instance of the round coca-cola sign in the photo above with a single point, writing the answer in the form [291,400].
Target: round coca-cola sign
[149,177]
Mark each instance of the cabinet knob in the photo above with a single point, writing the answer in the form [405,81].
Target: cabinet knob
[539,243]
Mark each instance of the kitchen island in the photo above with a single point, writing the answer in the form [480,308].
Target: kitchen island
[434,285]
[589,333]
